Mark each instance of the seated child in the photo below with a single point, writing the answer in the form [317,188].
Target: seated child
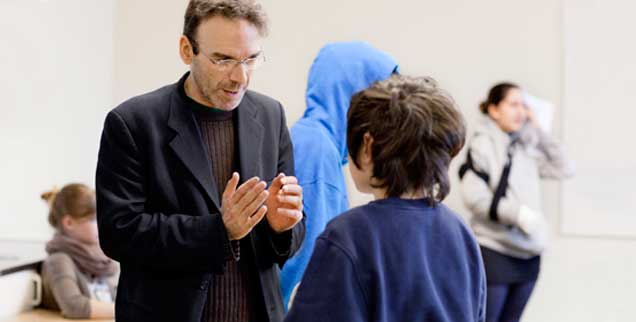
[77,278]
[404,256]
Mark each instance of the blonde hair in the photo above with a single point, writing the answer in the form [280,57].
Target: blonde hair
[75,199]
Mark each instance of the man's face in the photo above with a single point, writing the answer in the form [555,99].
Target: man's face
[218,39]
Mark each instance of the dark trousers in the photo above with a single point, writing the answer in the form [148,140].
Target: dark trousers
[505,302]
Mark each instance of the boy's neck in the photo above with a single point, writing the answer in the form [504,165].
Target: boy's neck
[379,193]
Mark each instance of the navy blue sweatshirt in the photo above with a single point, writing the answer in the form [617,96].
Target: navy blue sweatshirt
[393,260]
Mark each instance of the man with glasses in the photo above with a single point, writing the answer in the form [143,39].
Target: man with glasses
[196,196]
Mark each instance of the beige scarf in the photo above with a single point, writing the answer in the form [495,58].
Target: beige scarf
[89,258]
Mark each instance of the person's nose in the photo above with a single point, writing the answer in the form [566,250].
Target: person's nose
[240,74]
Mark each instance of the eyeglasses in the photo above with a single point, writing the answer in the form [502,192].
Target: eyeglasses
[228,64]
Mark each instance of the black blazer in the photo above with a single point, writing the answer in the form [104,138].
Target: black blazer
[158,206]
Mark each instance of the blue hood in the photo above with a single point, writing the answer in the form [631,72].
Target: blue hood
[339,71]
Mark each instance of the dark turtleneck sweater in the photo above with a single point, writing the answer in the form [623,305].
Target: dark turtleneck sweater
[234,296]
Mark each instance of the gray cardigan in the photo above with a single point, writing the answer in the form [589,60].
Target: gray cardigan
[65,288]
[536,156]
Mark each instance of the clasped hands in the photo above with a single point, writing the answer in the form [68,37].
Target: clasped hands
[244,206]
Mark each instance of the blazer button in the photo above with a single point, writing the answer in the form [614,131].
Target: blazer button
[203,285]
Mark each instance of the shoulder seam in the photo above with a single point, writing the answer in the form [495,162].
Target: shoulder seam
[353,266]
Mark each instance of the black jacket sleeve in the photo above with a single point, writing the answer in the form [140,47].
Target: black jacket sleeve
[286,244]
[128,233]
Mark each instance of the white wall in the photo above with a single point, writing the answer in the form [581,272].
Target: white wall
[599,86]
[146,46]
[56,85]
[465,45]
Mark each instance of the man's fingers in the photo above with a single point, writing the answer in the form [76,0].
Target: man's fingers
[230,187]
[276,184]
[258,216]
[253,206]
[292,189]
[289,180]
[245,188]
[249,197]
[293,201]
[296,214]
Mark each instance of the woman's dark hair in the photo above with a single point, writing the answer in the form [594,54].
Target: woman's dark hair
[496,95]
[416,130]
[75,199]
[199,10]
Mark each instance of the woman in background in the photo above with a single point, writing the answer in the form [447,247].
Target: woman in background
[508,156]
[78,279]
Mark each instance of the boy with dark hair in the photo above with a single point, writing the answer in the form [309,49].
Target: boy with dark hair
[404,256]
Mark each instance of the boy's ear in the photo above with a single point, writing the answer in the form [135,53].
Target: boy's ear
[367,144]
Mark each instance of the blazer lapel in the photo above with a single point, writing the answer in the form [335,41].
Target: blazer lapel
[250,139]
[188,146]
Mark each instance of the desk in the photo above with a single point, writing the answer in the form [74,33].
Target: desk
[19,255]
[19,280]
[41,315]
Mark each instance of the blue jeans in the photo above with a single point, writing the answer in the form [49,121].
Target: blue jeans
[505,302]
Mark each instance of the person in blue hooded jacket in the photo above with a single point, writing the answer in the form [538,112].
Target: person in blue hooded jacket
[319,138]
